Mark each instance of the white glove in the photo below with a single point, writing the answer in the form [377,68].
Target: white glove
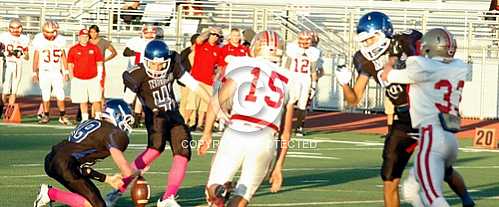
[313,92]
[343,74]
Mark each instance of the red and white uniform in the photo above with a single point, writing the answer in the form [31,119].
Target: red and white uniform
[13,62]
[303,63]
[263,91]
[50,65]
[435,87]
[138,45]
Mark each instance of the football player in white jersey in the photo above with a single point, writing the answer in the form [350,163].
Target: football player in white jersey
[16,49]
[260,93]
[302,59]
[135,51]
[50,68]
[436,82]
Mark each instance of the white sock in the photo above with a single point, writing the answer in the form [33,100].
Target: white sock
[84,116]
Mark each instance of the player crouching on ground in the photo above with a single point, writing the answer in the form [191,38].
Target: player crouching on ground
[69,161]
[436,83]
[260,91]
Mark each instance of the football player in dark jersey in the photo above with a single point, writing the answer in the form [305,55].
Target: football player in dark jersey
[152,81]
[70,161]
[378,45]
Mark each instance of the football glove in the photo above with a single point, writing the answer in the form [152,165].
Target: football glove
[343,74]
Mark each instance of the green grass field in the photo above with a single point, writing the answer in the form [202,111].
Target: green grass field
[324,169]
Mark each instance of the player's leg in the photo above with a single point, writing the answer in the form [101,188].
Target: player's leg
[16,79]
[411,188]
[456,183]
[45,82]
[302,105]
[65,171]
[58,87]
[190,109]
[137,113]
[1,106]
[259,152]
[95,96]
[430,165]
[180,142]
[226,162]
[7,84]
[396,153]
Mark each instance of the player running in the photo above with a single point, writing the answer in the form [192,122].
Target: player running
[70,161]
[259,92]
[436,82]
[50,68]
[302,60]
[16,49]
[375,33]
[152,81]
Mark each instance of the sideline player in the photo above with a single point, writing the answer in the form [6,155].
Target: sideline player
[152,81]
[302,60]
[47,71]
[260,91]
[436,81]
[16,49]
[70,161]
[375,33]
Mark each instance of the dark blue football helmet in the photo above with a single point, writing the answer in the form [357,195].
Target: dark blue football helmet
[157,51]
[120,114]
[370,25]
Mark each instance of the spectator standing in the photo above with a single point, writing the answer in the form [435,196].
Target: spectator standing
[86,63]
[206,59]
[186,60]
[103,45]
[234,46]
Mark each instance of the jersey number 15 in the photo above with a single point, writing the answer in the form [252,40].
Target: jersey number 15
[251,97]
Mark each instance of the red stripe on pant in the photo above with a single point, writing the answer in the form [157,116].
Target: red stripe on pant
[426,182]
[254,120]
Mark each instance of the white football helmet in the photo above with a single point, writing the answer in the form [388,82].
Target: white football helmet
[15,27]
[269,45]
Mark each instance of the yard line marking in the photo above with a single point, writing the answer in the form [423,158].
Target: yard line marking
[26,165]
[304,153]
[314,181]
[467,149]
[314,157]
[349,148]
[319,203]
[327,140]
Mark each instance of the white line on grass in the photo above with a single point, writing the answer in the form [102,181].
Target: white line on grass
[314,157]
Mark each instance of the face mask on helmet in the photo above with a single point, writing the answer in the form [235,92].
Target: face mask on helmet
[149,32]
[119,114]
[49,30]
[268,45]
[305,39]
[15,28]
[374,31]
[157,57]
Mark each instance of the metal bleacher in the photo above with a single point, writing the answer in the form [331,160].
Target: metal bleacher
[333,20]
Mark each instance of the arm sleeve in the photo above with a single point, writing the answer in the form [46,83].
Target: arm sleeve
[178,68]
[87,171]
[361,64]
[412,74]
[70,58]
[128,52]
[131,81]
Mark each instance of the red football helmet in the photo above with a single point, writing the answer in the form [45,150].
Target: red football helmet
[149,31]
[269,45]
[15,27]
[50,29]
[305,39]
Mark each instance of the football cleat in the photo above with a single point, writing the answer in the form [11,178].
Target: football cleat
[300,132]
[112,197]
[44,120]
[169,202]
[43,198]
[64,120]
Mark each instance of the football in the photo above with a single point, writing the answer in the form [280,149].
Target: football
[140,192]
